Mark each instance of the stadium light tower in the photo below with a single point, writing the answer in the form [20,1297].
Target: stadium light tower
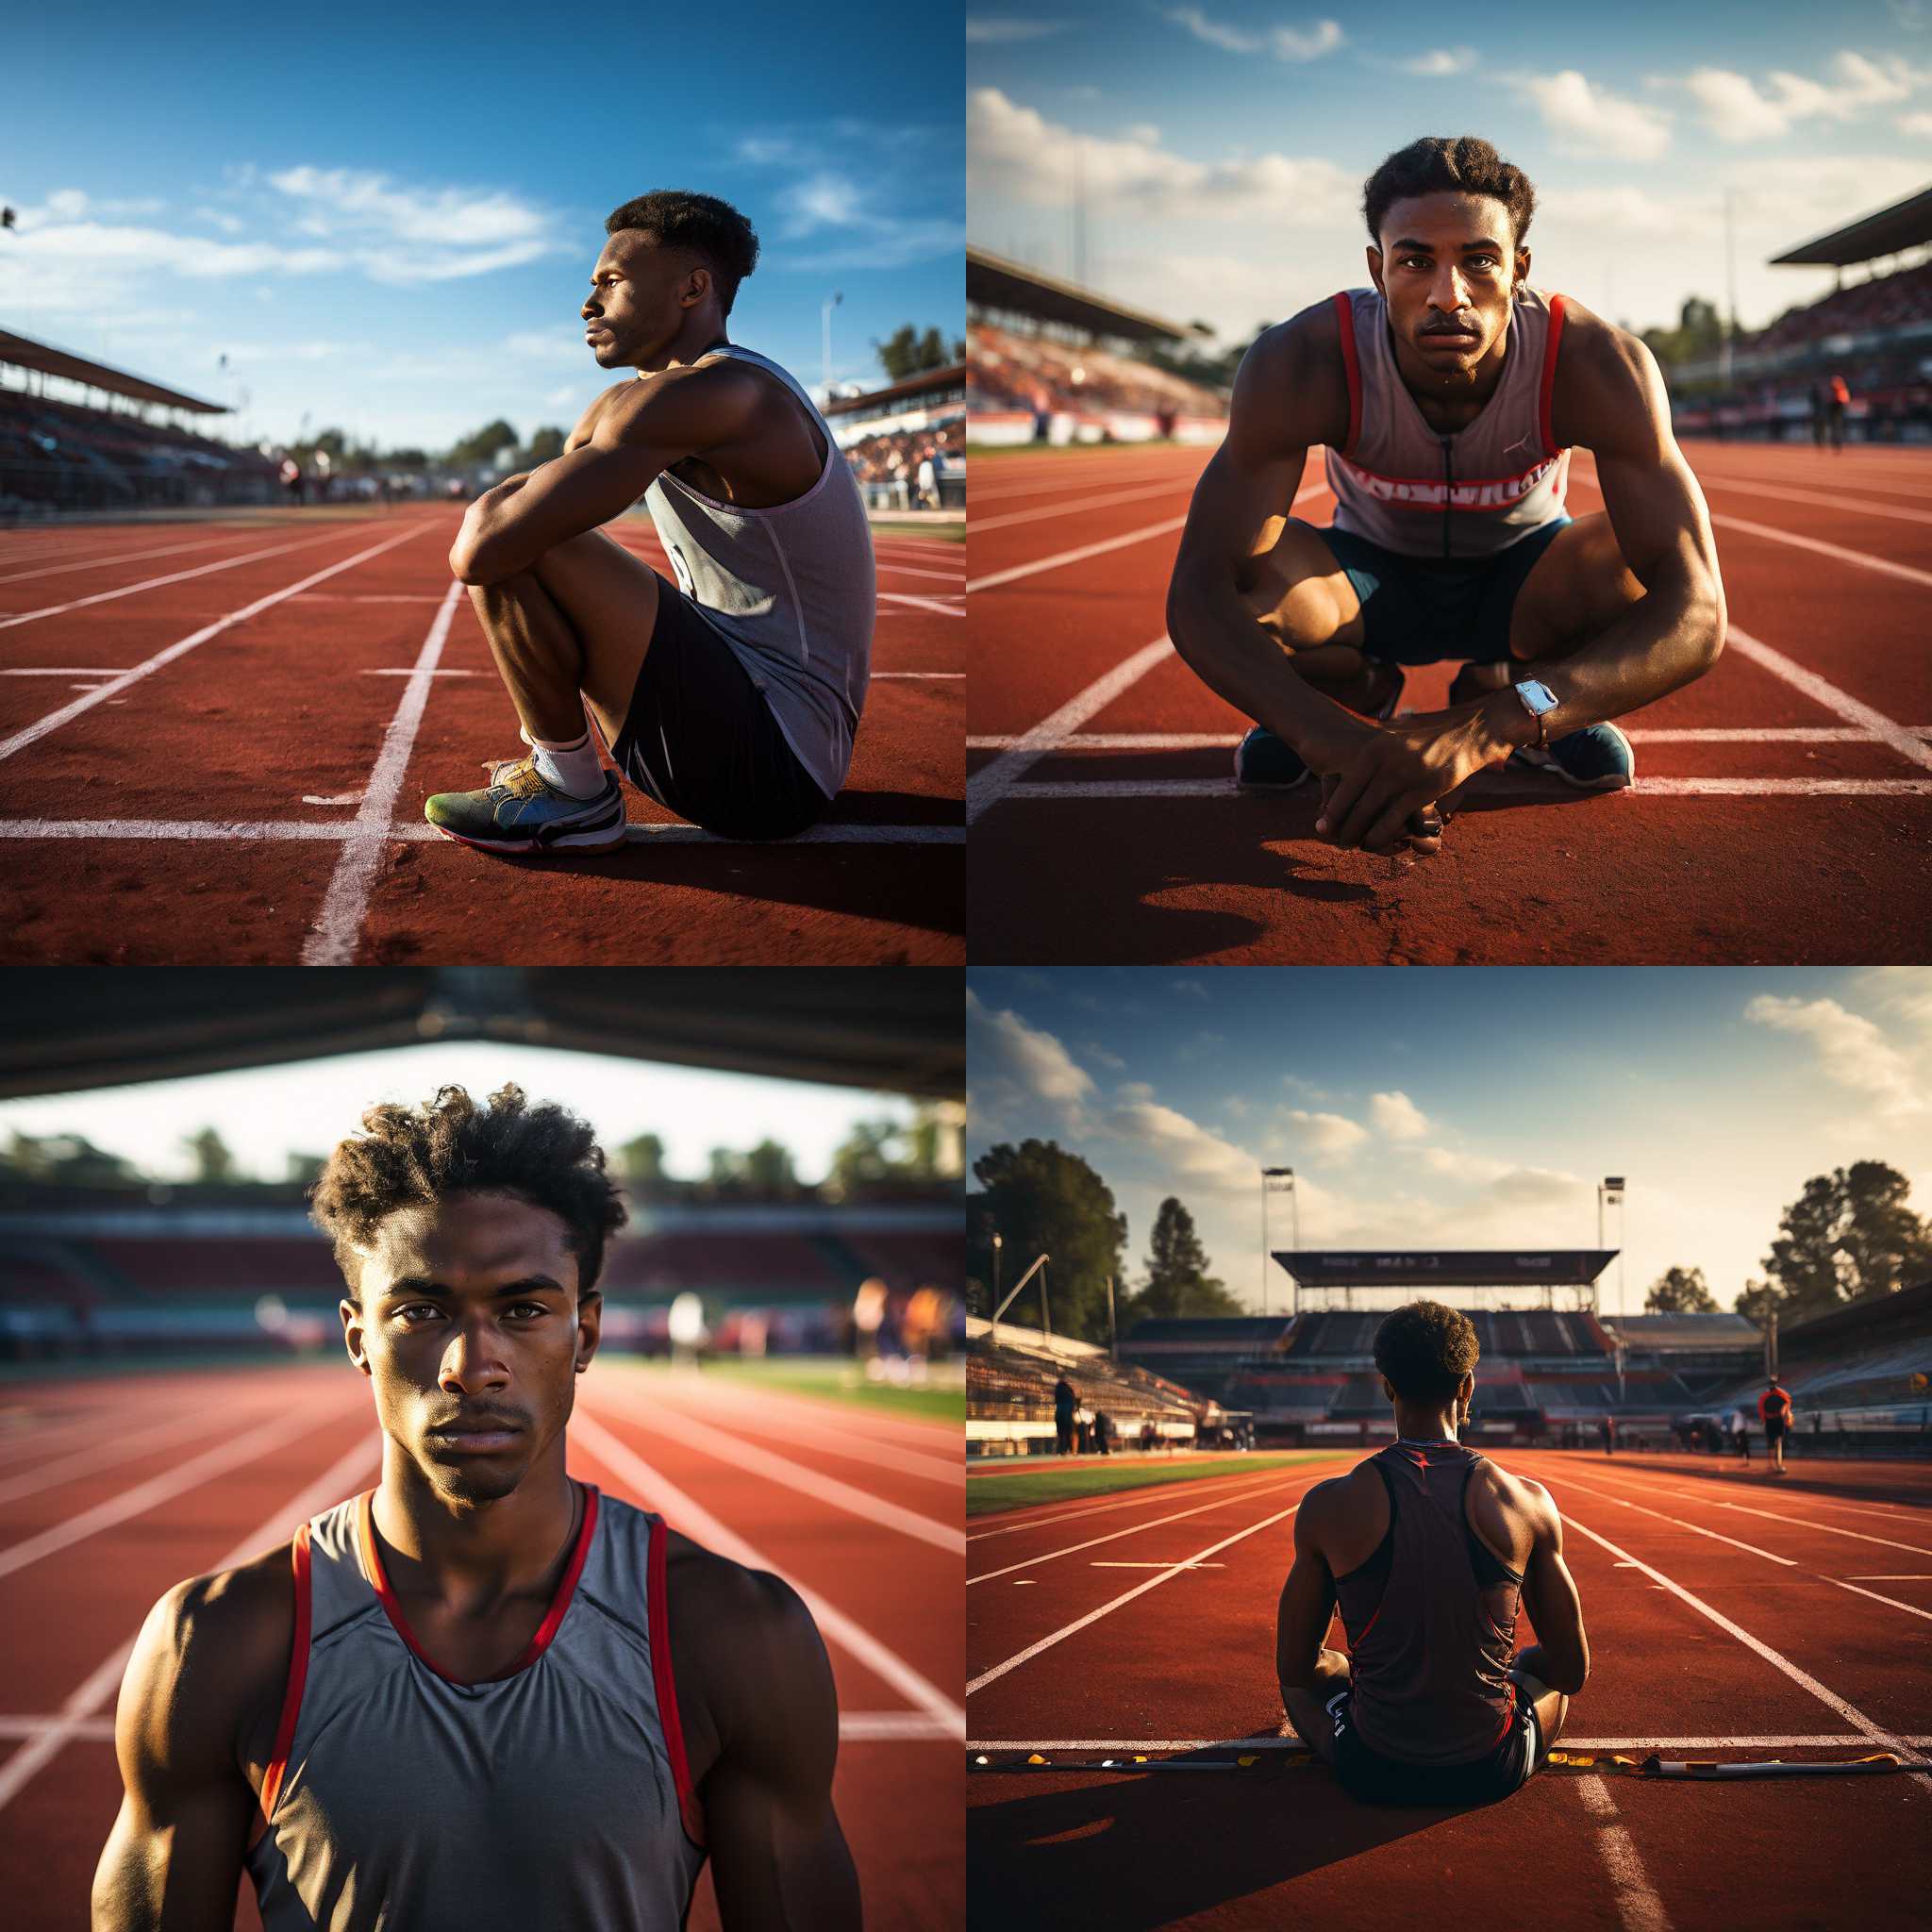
[825,322]
[1609,1193]
[1277,1180]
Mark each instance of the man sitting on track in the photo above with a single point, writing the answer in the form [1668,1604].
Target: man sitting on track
[1429,1550]
[1448,413]
[732,696]
[1775,1411]
[453,1700]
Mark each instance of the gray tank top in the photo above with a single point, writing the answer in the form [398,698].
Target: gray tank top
[791,589]
[398,1799]
[1421,493]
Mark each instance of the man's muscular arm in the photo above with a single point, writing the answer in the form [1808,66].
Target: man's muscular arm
[1549,1594]
[1307,1598]
[779,1862]
[1283,402]
[174,1855]
[642,429]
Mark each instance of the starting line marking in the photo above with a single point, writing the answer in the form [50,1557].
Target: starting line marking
[412,832]
[1686,734]
[1644,788]
[1566,1743]
[1104,1563]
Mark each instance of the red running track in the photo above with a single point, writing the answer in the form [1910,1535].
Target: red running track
[112,1489]
[1726,1620]
[255,797]
[1782,813]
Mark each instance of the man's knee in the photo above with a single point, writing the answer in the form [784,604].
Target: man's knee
[1299,594]
[1575,590]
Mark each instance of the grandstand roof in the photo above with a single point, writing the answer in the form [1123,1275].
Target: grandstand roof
[1246,1332]
[994,282]
[24,354]
[1445,1267]
[102,1027]
[1910,1309]
[926,382]
[1700,1330]
[1905,224]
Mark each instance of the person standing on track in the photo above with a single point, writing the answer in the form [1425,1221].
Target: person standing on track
[1448,396]
[455,1699]
[1774,1412]
[733,696]
[1064,1402]
[1430,1551]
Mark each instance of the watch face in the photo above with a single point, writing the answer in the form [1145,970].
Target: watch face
[1538,697]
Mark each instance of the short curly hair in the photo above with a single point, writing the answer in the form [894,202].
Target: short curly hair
[708,228]
[1426,1348]
[1437,164]
[408,1156]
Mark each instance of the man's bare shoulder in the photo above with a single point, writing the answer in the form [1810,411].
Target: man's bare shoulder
[1604,373]
[1522,1493]
[730,1604]
[1339,1496]
[689,405]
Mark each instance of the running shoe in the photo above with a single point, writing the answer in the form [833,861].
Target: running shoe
[519,812]
[1263,762]
[1597,759]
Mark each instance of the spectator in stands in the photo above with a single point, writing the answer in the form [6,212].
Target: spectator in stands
[1103,1431]
[1775,1411]
[1607,1430]
[1064,1402]
[1430,1551]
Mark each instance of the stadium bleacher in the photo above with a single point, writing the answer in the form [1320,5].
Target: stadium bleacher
[61,454]
[1095,391]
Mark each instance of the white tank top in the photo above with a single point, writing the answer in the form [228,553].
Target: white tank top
[399,1799]
[1421,493]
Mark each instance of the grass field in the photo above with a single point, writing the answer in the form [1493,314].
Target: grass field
[946,533]
[835,1378]
[986,1494]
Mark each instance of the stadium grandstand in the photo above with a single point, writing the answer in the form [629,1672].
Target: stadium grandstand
[1051,363]
[78,435]
[889,435]
[1872,334]
[1010,1375]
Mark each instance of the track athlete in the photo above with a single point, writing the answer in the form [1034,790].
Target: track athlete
[733,696]
[1430,1551]
[1774,1412]
[1448,396]
[480,1695]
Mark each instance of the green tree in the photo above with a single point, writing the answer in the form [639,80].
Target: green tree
[1042,1199]
[768,1169]
[1699,334]
[305,1170]
[481,445]
[68,1160]
[907,353]
[214,1166]
[641,1161]
[1680,1291]
[1758,1303]
[1178,1281]
[1847,1236]
[547,445]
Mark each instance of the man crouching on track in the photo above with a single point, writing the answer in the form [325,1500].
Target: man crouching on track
[731,697]
[455,1700]
[1429,1550]
[1448,396]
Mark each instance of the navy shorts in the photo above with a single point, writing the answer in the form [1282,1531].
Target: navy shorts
[1371,1778]
[700,738]
[1416,610]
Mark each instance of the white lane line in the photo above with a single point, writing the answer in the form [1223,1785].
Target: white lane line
[63,671]
[370,597]
[918,603]
[338,1480]
[789,1425]
[1185,482]
[1861,504]
[1079,1624]
[653,1490]
[1638,1904]
[1093,1542]
[1102,788]
[1684,734]
[413,832]
[54,719]
[992,581]
[150,1495]
[332,938]
[1803,1679]
[1828,697]
[1112,1563]
[1775,1516]
[410,670]
[118,1448]
[102,559]
[945,576]
[730,1395]
[1149,1496]
[725,1447]
[1787,1741]
[179,576]
[1643,1510]
[933,675]
[1895,1576]
[1911,1608]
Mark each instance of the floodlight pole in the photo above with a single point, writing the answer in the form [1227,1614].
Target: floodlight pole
[826,321]
[1001,1309]
[998,1304]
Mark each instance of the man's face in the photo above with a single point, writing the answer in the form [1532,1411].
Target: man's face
[1448,268]
[640,295]
[472,1331]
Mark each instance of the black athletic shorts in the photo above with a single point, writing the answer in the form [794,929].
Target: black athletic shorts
[700,738]
[1775,1427]
[1371,1778]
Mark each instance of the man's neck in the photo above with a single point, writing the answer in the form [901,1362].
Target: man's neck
[487,1550]
[1425,1425]
[691,345]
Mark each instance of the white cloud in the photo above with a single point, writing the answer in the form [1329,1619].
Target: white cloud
[843,218]
[1851,1051]
[1143,131]
[1735,108]
[1458,1165]
[1284,42]
[1184,1149]
[1101,1057]
[1917,126]
[1397,1116]
[1012,1065]
[1585,119]
[1333,1136]
[1016,151]
[1189,989]
[984,32]
[1441,61]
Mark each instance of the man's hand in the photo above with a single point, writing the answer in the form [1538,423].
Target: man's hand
[1382,785]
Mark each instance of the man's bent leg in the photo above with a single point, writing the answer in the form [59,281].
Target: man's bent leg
[1551,1706]
[1307,1706]
[1303,598]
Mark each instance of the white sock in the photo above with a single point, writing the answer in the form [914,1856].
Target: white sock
[574,769]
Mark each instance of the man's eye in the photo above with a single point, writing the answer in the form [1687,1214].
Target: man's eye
[418,1309]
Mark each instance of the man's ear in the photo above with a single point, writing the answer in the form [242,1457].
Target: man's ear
[1388,1388]
[1374,261]
[353,1332]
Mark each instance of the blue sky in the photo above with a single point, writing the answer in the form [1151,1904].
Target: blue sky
[267,1113]
[1462,1106]
[387,217]
[1222,147]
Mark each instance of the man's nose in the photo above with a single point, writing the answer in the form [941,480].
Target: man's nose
[475,1359]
